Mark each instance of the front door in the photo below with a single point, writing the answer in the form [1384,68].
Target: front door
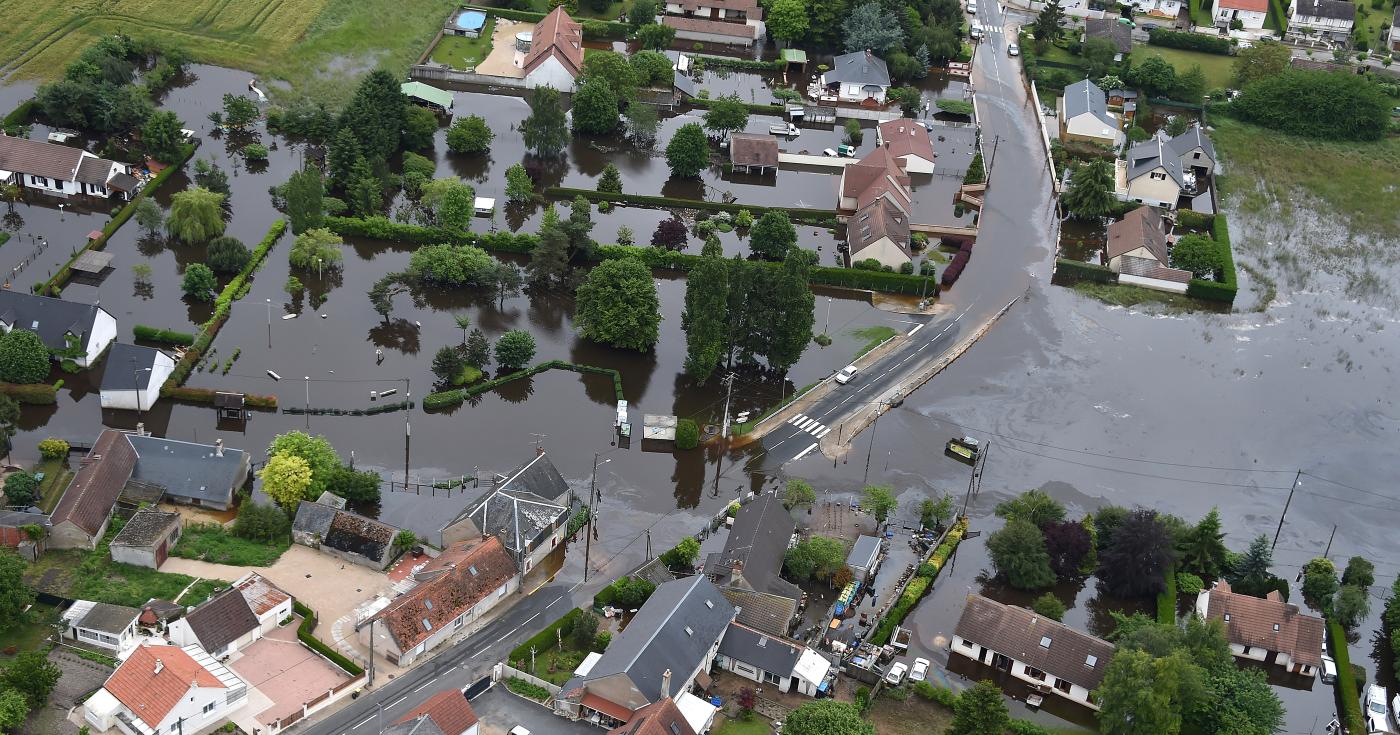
[161,553]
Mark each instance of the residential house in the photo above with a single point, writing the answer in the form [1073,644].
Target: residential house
[716,21]
[908,142]
[156,614]
[222,625]
[1137,249]
[1249,13]
[660,718]
[80,519]
[344,535]
[1394,36]
[666,648]
[752,153]
[528,510]
[134,376]
[1111,30]
[860,77]
[454,591]
[772,661]
[864,558]
[1326,20]
[1167,172]
[147,538]
[874,200]
[752,561]
[444,713]
[1045,654]
[63,171]
[1169,9]
[1267,630]
[269,603]
[555,57]
[1084,116]
[99,624]
[166,690]
[85,329]
[204,475]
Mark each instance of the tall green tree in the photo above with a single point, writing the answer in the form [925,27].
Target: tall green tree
[30,673]
[549,260]
[286,479]
[579,227]
[514,350]
[1351,606]
[706,318]
[14,710]
[305,194]
[1018,553]
[196,215]
[199,282]
[879,501]
[478,350]
[653,70]
[1136,561]
[1203,550]
[1359,572]
[469,134]
[1320,584]
[227,254]
[595,108]
[1047,24]
[773,235]
[15,595]
[980,710]
[871,27]
[1266,58]
[1035,506]
[611,180]
[792,329]
[1141,693]
[519,187]
[162,137]
[149,215]
[23,357]
[725,115]
[816,557]
[655,36]
[316,245]
[640,13]
[449,203]
[1198,254]
[376,114]
[365,190]
[1090,193]
[1252,567]
[344,153]
[826,717]
[798,493]
[617,305]
[313,449]
[420,126]
[544,131]
[787,20]
[447,364]
[613,70]
[688,153]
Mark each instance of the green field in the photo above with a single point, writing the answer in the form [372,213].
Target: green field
[212,543]
[461,52]
[30,630]
[56,479]
[1218,69]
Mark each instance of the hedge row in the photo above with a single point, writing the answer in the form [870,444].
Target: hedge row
[1227,287]
[753,107]
[730,62]
[920,584]
[449,398]
[798,214]
[4,237]
[308,624]
[1075,271]
[20,115]
[545,638]
[1189,41]
[163,336]
[206,395]
[382,228]
[1347,692]
[1166,601]
[59,279]
[36,394]
[591,28]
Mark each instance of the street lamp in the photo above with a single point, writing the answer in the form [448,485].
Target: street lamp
[592,507]
[136,374]
[269,324]
[318,268]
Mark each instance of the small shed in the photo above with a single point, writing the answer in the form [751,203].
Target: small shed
[795,62]
[147,538]
[863,558]
[230,405]
[819,115]
[133,376]
[753,153]
[659,427]
[93,262]
[438,100]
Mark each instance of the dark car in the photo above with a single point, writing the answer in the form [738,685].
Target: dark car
[1149,27]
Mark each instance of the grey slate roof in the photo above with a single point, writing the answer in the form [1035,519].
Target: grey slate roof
[521,508]
[124,367]
[1119,34]
[313,517]
[111,619]
[145,528]
[1085,97]
[673,630]
[864,551]
[753,553]
[1331,9]
[222,620]
[858,67]
[345,531]
[15,519]
[50,318]
[187,469]
[1187,141]
[1150,154]
[774,655]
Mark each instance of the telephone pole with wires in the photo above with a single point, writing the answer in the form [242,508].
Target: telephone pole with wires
[1297,480]
[728,382]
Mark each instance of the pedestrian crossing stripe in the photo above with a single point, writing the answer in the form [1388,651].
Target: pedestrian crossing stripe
[809,425]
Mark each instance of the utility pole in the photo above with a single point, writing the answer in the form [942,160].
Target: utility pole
[728,382]
[592,514]
[1329,541]
[648,557]
[995,140]
[370,683]
[1286,503]
[879,409]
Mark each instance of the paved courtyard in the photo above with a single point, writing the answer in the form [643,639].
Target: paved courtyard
[285,672]
[501,61]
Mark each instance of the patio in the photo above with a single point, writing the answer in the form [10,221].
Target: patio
[285,675]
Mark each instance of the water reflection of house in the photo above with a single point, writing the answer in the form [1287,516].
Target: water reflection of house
[1050,656]
[1267,630]
[715,21]
[344,535]
[859,76]
[1169,172]
[64,171]
[527,510]
[747,571]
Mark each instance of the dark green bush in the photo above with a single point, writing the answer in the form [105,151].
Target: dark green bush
[687,434]
[545,638]
[163,336]
[1189,41]
[1225,289]
[1075,271]
[1316,104]
[308,624]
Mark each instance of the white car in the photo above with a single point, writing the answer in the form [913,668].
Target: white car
[1329,669]
[519,730]
[920,670]
[846,374]
[972,6]
[1376,720]
[895,676]
[1013,50]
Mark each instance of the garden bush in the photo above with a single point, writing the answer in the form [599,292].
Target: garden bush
[163,336]
[53,448]
[687,434]
[1188,41]
[545,638]
[1075,270]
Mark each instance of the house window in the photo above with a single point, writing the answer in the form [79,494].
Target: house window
[1035,673]
[38,180]
[1245,651]
[461,619]
[502,591]
[208,708]
[1063,685]
[769,678]
[1196,155]
[1158,176]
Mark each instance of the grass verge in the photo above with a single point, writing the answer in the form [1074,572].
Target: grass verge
[873,336]
[1122,294]
[213,543]
[1218,69]
[56,479]
[756,726]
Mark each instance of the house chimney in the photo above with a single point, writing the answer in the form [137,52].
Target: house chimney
[160,666]
[539,450]
[140,428]
[218,447]
[666,683]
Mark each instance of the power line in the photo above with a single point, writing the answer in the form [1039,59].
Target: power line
[1146,474]
[1351,487]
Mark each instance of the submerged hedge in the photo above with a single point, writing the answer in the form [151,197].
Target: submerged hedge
[163,336]
[799,215]
[919,585]
[455,397]
[1225,289]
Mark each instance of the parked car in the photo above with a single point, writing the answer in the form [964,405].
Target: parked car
[1013,50]
[972,6]
[1376,719]
[846,374]
[1329,669]
[519,730]
[895,676]
[1149,27]
[920,670]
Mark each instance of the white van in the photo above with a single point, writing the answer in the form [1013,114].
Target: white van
[976,32]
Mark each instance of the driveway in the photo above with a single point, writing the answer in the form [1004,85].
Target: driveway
[499,711]
[501,61]
[286,673]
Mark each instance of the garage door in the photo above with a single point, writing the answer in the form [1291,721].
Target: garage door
[160,554]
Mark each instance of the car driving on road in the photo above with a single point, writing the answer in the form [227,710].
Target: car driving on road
[846,374]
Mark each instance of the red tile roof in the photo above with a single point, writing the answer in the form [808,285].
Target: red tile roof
[449,710]
[705,25]
[1258,6]
[1140,228]
[88,501]
[659,718]
[1271,624]
[39,158]
[606,706]
[151,694]
[560,36]
[903,138]
[878,174]
[471,571]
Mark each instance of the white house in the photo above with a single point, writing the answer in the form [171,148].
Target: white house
[112,627]
[447,711]
[1329,20]
[1084,116]
[1159,171]
[61,325]
[1267,630]
[134,376]
[455,589]
[772,661]
[222,625]
[268,602]
[1394,36]
[1048,655]
[908,142]
[555,57]
[874,200]
[1250,13]
[63,171]
[166,690]
[1158,8]
[859,76]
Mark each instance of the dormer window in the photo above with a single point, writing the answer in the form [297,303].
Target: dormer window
[1045,641]
[1227,617]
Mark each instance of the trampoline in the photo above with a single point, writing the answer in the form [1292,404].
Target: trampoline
[471,20]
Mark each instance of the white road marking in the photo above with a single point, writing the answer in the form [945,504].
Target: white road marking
[915,329]
[361,722]
[804,452]
[424,685]
[396,701]
[825,430]
[552,603]
[797,419]
[806,425]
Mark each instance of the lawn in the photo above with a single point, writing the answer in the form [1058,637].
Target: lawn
[1371,19]
[1219,70]
[914,716]
[873,336]
[29,631]
[1359,181]
[1062,55]
[56,479]
[212,543]
[555,666]
[92,575]
[461,52]
[199,592]
[756,726]
[469,374]
[1122,294]
[612,12]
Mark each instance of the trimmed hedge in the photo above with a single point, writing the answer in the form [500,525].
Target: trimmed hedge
[449,398]
[753,107]
[920,584]
[59,279]
[799,215]
[1345,690]
[163,336]
[206,395]
[1079,271]
[730,62]
[1166,601]
[35,394]
[1190,41]
[20,115]
[308,624]
[1225,289]
[545,638]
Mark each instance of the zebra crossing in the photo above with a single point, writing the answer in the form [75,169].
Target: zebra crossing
[810,425]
